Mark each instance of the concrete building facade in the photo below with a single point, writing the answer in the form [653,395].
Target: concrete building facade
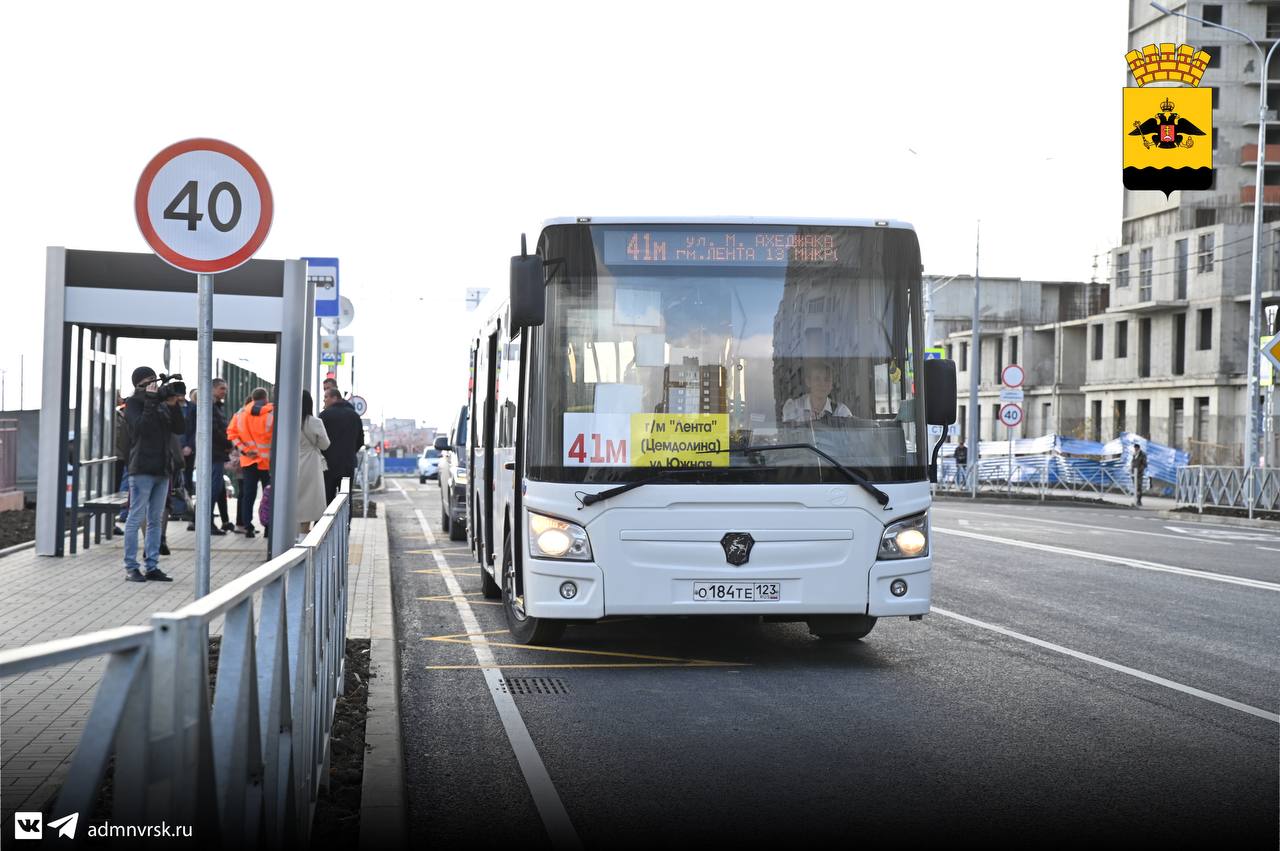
[1040,325]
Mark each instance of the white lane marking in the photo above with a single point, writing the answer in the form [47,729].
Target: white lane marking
[1269,549]
[403,492]
[1231,535]
[554,816]
[1037,520]
[1124,669]
[1127,562]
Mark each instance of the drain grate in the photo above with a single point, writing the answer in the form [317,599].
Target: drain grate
[532,685]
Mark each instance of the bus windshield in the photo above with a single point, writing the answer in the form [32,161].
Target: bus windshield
[664,346]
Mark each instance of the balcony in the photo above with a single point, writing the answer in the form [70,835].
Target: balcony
[1270,194]
[1249,156]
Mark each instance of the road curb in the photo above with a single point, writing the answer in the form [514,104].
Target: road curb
[16,548]
[1003,500]
[1220,520]
[383,808]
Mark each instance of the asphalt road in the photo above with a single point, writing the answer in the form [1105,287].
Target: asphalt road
[1086,674]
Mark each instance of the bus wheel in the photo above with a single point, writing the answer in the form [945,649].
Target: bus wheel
[524,629]
[841,627]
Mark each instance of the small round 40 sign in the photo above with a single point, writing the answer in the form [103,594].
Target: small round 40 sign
[203,205]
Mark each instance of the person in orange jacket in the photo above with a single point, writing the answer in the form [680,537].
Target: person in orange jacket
[250,431]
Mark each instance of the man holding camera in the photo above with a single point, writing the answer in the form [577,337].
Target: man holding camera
[151,419]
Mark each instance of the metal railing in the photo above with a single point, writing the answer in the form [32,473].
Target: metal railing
[1039,477]
[8,455]
[250,762]
[1250,490]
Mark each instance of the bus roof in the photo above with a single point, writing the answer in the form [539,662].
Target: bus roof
[725,220]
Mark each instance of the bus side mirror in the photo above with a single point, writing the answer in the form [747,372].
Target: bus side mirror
[442,443]
[940,391]
[528,290]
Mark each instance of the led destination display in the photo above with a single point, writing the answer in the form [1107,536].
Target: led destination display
[638,247]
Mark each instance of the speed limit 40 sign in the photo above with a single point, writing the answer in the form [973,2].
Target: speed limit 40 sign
[203,205]
[1011,415]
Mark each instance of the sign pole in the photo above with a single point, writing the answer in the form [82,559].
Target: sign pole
[1009,483]
[319,366]
[204,433]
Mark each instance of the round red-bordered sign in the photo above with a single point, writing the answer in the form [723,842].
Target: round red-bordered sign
[1012,375]
[1011,415]
[212,175]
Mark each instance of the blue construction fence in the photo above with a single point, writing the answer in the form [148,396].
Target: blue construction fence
[1054,459]
[401,466]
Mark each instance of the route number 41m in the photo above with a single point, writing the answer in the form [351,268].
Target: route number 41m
[614,451]
[188,195]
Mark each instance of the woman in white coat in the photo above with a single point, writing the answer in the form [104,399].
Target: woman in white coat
[311,466]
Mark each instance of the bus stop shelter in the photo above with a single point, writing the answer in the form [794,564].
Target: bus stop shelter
[95,298]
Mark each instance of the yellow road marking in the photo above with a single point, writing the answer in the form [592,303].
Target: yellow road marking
[593,665]
[445,598]
[465,638]
[463,634]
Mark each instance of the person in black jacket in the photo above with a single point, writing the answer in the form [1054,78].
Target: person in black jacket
[962,462]
[346,436]
[151,419]
[221,454]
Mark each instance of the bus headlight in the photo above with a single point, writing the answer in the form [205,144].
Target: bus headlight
[550,537]
[907,538]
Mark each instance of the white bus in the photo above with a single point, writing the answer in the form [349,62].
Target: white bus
[706,417]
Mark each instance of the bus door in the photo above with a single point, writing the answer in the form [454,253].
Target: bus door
[469,414]
[488,480]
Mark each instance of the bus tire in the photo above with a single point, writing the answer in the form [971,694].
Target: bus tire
[524,629]
[840,627]
[458,532]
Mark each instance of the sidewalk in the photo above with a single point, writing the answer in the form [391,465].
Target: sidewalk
[42,598]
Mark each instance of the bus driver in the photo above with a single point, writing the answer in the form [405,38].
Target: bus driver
[816,403]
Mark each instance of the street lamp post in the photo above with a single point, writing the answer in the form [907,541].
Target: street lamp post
[975,363]
[1255,270]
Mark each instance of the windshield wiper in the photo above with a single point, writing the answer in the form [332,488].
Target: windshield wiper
[665,476]
[670,475]
[881,496]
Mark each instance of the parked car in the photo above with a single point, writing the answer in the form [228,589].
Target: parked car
[453,478]
[374,467]
[428,464]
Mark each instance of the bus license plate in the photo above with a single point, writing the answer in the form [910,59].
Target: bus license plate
[736,592]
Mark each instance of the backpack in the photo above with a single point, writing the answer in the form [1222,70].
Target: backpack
[264,507]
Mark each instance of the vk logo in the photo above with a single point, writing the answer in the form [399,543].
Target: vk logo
[28,825]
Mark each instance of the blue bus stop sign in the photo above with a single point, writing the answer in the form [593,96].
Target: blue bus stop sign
[323,272]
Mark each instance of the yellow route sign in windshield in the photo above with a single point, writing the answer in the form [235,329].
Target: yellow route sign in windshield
[680,440]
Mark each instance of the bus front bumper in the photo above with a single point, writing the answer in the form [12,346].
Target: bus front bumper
[672,591]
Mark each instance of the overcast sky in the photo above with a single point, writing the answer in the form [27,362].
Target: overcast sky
[416,142]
